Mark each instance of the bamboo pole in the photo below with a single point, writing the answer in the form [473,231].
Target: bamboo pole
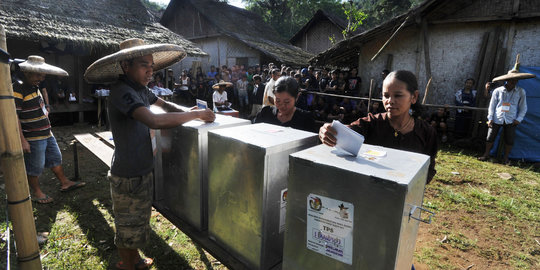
[427,91]
[371,84]
[390,39]
[12,161]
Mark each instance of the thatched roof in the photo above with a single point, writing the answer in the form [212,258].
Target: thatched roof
[245,26]
[434,12]
[86,24]
[318,16]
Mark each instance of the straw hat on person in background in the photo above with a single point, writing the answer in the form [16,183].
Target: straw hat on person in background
[107,69]
[36,64]
[514,74]
[221,83]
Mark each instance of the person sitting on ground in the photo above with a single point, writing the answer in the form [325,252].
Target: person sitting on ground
[395,128]
[438,122]
[38,142]
[130,117]
[376,108]
[285,113]
[336,113]
[219,97]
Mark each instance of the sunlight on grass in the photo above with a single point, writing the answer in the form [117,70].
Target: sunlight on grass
[70,246]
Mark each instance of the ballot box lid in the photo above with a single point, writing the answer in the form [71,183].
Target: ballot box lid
[385,163]
[221,121]
[267,136]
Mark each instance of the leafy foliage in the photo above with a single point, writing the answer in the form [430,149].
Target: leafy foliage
[153,6]
[355,18]
[288,16]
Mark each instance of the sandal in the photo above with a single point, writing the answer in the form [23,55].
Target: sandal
[44,200]
[75,185]
[141,265]
[483,158]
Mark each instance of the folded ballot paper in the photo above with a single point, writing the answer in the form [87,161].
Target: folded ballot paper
[348,140]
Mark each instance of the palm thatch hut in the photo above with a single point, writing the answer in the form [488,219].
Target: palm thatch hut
[73,33]
[230,35]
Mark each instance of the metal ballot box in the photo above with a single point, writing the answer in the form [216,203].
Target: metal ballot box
[347,212]
[182,186]
[247,184]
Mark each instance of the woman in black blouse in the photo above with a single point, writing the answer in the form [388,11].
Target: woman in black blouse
[285,113]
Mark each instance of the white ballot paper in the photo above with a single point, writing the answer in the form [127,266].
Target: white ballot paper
[348,140]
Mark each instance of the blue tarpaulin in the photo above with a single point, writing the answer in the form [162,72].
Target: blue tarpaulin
[527,140]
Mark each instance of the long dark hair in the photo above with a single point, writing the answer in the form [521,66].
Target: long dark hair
[412,85]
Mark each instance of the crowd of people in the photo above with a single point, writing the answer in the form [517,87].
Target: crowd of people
[249,89]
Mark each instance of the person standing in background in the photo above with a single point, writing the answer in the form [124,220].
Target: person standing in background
[507,108]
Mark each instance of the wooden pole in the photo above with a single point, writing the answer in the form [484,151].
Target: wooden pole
[427,91]
[371,83]
[12,161]
[389,39]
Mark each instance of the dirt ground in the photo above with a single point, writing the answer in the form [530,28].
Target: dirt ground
[93,172]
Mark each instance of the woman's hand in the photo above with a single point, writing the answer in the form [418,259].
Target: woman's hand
[327,135]
[206,115]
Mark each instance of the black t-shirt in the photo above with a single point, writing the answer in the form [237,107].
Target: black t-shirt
[301,119]
[354,84]
[323,83]
[313,84]
[133,147]
[334,83]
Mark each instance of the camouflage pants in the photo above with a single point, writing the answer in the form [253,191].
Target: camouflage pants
[132,206]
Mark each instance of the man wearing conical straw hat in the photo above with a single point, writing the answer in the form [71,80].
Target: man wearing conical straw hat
[130,70]
[507,108]
[38,142]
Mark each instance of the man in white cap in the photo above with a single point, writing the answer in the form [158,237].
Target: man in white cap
[507,108]
[38,143]
[131,179]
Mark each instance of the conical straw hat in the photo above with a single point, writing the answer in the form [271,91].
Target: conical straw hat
[36,64]
[107,69]
[221,82]
[514,74]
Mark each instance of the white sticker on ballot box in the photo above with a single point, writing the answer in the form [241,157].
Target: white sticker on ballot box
[330,227]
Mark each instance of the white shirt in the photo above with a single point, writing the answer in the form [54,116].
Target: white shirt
[506,106]
[269,92]
[219,98]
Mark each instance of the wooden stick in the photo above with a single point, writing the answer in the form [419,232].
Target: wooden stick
[427,91]
[12,160]
[371,83]
[390,39]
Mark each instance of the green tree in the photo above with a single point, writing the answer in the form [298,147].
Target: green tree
[355,18]
[288,16]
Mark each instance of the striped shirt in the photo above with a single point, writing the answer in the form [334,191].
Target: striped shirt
[30,110]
